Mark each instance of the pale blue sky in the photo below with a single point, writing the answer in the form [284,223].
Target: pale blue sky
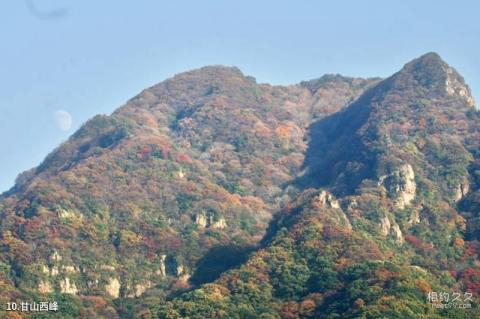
[89,57]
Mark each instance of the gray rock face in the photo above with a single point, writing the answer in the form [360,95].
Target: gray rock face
[455,87]
[113,287]
[162,270]
[204,221]
[325,198]
[391,228]
[44,287]
[218,224]
[201,220]
[385,225]
[68,287]
[462,190]
[397,234]
[401,185]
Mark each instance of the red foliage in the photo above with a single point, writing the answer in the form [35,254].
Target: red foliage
[471,279]
[33,228]
[153,247]
[184,158]
[453,273]
[290,310]
[307,307]
[417,243]
[95,301]
[470,250]
[174,243]
[150,256]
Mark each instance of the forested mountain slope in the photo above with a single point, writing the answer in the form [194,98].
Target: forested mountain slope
[388,212]
[134,203]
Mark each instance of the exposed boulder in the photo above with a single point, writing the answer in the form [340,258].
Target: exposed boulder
[113,287]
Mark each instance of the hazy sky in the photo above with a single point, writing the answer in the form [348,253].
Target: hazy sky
[84,57]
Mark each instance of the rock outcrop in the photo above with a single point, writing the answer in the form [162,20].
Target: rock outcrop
[201,220]
[162,269]
[218,224]
[68,287]
[209,221]
[55,257]
[139,289]
[455,86]
[385,226]
[391,228]
[45,287]
[462,190]
[414,218]
[401,185]
[113,287]
[396,232]
[326,198]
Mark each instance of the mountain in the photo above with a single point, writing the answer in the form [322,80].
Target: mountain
[210,195]
[143,202]
[386,215]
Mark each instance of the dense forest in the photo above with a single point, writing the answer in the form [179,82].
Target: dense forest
[210,195]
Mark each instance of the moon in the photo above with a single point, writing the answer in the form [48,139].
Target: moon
[63,119]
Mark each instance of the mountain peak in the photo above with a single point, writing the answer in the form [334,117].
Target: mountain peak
[429,69]
[429,62]
[430,57]
[344,148]
[434,74]
[216,69]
